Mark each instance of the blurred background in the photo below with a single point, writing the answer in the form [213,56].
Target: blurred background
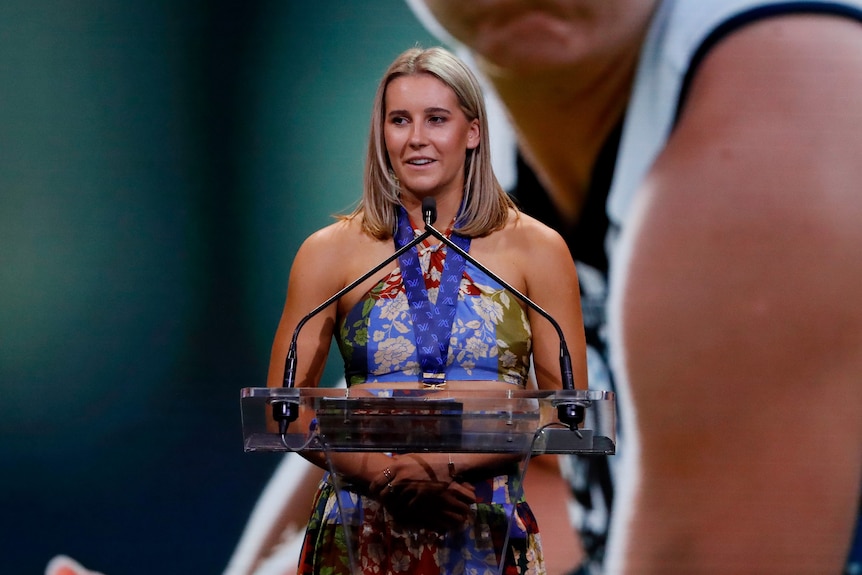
[160,162]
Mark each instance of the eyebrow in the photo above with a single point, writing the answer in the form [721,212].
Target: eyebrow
[428,111]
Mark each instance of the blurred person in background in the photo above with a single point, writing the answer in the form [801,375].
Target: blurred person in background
[701,158]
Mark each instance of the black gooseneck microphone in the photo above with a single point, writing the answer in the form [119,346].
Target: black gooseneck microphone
[570,413]
[284,411]
[429,205]
[429,212]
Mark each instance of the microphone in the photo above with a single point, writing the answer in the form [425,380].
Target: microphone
[569,413]
[285,411]
[429,211]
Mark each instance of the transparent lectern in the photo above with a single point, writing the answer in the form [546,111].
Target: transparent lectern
[460,417]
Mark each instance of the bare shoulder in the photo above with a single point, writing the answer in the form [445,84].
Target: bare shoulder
[336,241]
[337,255]
[770,127]
[752,209]
[533,236]
[341,230]
[794,80]
[528,248]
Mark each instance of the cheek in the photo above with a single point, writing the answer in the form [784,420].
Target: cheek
[391,142]
[456,143]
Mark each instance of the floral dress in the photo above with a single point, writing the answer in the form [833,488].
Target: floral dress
[490,340]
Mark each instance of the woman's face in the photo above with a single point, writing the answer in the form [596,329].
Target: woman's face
[427,135]
[532,36]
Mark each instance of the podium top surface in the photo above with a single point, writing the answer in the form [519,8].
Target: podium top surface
[474,389]
[486,417]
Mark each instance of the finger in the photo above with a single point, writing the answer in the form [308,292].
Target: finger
[463,491]
[455,506]
[382,481]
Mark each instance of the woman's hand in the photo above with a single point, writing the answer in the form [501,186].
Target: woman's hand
[436,505]
[418,492]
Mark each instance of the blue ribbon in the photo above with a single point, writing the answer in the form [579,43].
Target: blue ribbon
[432,323]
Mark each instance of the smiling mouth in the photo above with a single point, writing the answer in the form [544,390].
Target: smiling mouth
[420,162]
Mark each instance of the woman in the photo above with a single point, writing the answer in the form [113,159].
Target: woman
[430,513]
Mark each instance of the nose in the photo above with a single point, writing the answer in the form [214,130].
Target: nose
[417,135]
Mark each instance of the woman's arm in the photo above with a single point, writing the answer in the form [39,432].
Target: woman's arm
[314,276]
[552,282]
[318,272]
[740,318]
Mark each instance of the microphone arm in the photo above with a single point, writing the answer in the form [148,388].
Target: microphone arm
[290,362]
[570,413]
[566,373]
[284,411]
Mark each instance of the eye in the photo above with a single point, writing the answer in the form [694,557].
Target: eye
[436,119]
[398,120]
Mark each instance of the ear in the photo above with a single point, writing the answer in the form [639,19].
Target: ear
[474,135]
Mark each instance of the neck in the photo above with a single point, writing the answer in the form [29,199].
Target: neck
[564,116]
[447,208]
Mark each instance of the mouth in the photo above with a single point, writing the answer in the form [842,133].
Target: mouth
[419,161]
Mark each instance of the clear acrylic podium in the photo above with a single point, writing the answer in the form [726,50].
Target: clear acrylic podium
[460,417]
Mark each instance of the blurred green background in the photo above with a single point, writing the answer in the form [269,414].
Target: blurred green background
[160,162]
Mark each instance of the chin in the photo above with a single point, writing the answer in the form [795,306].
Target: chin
[529,45]
[533,62]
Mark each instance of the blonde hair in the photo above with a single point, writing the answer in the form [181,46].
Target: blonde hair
[486,205]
